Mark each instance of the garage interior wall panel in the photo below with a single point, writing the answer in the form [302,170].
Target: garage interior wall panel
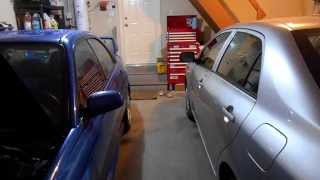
[283,8]
[242,9]
[218,12]
[227,12]
[308,7]
[102,22]
[245,12]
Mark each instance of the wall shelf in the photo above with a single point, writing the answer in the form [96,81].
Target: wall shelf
[21,7]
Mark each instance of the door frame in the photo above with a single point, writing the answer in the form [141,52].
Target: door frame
[260,36]
[121,33]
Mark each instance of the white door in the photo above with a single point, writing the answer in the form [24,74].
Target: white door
[141,31]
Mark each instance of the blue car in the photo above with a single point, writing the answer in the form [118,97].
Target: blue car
[64,106]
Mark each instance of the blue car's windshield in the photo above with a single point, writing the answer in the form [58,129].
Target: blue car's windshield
[33,90]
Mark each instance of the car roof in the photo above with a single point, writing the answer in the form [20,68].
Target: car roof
[51,36]
[281,24]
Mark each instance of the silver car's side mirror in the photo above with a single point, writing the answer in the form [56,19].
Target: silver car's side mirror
[187,57]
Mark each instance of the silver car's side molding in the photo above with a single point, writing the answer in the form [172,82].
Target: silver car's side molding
[204,144]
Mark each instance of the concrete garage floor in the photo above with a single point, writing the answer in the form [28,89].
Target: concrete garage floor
[163,144]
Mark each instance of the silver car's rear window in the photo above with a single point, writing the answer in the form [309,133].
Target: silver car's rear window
[308,41]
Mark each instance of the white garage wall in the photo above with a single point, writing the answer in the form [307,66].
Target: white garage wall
[7,13]
[101,22]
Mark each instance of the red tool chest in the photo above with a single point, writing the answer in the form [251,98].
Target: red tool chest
[182,36]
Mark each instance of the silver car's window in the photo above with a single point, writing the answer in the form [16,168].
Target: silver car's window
[308,41]
[252,82]
[315,42]
[239,60]
[210,53]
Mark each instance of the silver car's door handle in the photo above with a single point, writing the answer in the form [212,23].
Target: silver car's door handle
[228,114]
[200,84]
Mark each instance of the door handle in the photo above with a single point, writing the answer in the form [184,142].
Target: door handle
[200,84]
[126,25]
[228,114]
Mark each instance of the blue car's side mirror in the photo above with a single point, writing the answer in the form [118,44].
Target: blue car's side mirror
[103,101]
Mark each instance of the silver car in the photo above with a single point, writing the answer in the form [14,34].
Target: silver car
[254,94]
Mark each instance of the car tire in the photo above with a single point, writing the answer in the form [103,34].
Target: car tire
[127,118]
[226,173]
[188,109]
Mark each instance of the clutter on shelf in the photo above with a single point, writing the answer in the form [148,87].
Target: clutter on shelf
[5,26]
[39,14]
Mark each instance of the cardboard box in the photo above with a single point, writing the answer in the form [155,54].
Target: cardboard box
[180,87]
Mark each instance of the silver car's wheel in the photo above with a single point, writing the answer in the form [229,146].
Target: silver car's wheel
[188,108]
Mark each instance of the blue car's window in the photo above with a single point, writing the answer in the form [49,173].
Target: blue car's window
[89,72]
[110,44]
[41,69]
[103,55]
[34,108]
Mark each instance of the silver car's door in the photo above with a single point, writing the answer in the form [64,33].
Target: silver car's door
[226,101]
[207,60]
